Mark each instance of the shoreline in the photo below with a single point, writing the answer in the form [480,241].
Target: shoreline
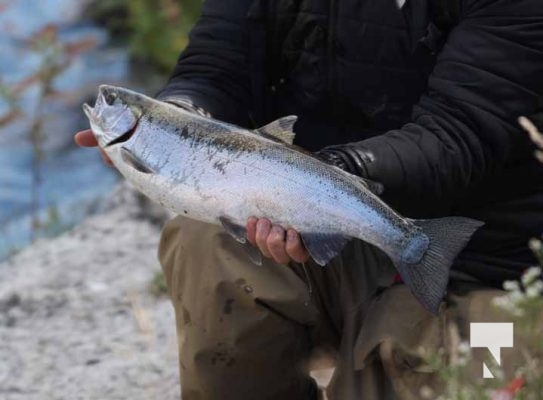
[77,318]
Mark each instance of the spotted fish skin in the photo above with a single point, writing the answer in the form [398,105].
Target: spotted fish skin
[223,174]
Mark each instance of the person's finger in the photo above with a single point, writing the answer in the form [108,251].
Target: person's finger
[86,138]
[276,245]
[251,230]
[295,248]
[263,227]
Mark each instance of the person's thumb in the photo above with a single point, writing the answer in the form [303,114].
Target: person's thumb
[86,138]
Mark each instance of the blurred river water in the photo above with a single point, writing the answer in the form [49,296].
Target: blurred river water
[46,182]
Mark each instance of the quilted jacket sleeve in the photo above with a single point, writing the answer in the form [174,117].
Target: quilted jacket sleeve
[212,72]
[464,127]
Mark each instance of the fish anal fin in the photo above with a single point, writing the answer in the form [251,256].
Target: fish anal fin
[281,129]
[323,247]
[132,160]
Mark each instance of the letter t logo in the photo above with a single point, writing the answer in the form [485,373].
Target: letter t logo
[494,337]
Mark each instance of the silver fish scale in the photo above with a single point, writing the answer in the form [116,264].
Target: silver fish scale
[220,173]
[208,170]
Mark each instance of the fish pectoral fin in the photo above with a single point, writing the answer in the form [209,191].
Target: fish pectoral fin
[132,160]
[281,129]
[238,232]
[323,247]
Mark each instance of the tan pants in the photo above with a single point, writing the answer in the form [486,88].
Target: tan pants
[247,331]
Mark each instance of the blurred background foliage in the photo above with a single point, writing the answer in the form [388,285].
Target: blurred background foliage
[155,31]
[52,62]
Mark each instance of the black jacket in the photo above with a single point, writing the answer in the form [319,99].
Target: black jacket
[438,107]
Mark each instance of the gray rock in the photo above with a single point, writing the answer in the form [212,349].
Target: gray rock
[77,320]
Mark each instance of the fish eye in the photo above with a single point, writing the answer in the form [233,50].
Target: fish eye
[110,98]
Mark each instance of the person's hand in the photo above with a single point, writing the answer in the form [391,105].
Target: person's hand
[87,139]
[283,246]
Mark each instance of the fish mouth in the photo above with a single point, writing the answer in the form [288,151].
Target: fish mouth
[125,136]
[90,113]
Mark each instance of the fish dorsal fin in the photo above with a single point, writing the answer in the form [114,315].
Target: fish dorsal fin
[281,129]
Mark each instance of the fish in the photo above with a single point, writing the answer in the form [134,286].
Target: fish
[222,174]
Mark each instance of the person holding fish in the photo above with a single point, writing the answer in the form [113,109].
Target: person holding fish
[410,109]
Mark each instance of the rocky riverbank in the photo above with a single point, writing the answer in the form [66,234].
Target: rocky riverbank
[77,319]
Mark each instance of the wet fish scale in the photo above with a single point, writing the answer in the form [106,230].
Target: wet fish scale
[224,174]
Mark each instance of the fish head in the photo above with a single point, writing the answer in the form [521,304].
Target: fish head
[115,115]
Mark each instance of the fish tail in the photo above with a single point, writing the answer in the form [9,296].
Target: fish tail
[428,278]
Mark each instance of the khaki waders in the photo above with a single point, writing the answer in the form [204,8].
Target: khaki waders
[247,331]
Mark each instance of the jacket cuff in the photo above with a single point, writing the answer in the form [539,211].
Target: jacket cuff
[384,166]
